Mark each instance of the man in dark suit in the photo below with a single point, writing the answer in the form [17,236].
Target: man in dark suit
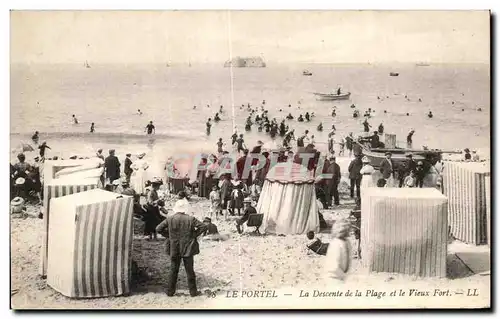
[181,231]
[128,170]
[333,184]
[387,168]
[355,175]
[112,166]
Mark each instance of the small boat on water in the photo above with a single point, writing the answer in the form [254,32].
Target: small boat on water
[332,96]
[394,74]
[377,155]
[422,64]
[86,64]
[307,73]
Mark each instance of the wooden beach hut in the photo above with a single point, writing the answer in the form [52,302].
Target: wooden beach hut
[288,200]
[464,183]
[90,244]
[404,230]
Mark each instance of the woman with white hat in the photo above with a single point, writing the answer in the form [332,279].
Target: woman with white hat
[366,174]
[139,176]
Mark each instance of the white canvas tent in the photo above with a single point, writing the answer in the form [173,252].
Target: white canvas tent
[288,200]
[90,244]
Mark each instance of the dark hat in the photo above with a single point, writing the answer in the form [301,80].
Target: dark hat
[128,154]
[409,155]
[388,153]
[207,219]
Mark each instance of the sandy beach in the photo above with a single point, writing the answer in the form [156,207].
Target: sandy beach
[243,262]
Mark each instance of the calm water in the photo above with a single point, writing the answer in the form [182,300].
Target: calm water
[43,98]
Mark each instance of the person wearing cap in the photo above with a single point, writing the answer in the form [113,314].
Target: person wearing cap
[112,167]
[139,174]
[249,210]
[338,256]
[420,174]
[332,184]
[387,169]
[355,175]
[127,169]
[181,232]
[366,174]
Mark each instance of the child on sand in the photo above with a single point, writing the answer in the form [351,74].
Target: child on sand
[338,256]
[215,201]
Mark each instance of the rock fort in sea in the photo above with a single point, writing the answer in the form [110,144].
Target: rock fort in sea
[248,62]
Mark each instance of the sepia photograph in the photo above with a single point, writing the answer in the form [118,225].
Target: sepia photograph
[250,159]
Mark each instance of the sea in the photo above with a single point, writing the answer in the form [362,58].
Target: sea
[44,97]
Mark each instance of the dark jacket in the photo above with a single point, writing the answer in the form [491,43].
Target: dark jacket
[335,170]
[386,169]
[112,165]
[355,168]
[127,170]
[181,231]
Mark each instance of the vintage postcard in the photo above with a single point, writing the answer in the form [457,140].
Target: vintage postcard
[250,159]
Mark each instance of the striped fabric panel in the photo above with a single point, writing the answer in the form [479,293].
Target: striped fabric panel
[408,236]
[487,191]
[103,248]
[465,189]
[55,191]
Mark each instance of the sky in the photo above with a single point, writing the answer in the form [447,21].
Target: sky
[277,36]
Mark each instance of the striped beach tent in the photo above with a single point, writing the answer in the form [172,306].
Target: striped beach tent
[53,169]
[464,183]
[54,189]
[90,244]
[404,230]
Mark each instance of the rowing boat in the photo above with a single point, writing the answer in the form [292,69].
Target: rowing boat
[332,96]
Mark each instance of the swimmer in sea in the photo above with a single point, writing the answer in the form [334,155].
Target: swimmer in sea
[139,112]
[150,128]
[385,111]
[75,120]
[430,115]
[320,127]
[209,125]
[194,107]
[92,128]
[407,114]
[35,137]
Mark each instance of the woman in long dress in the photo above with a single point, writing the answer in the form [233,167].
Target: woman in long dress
[139,178]
[366,174]
[152,216]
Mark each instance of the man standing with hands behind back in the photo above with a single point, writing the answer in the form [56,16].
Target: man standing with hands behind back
[181,231]
[387,169]
[112,167]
